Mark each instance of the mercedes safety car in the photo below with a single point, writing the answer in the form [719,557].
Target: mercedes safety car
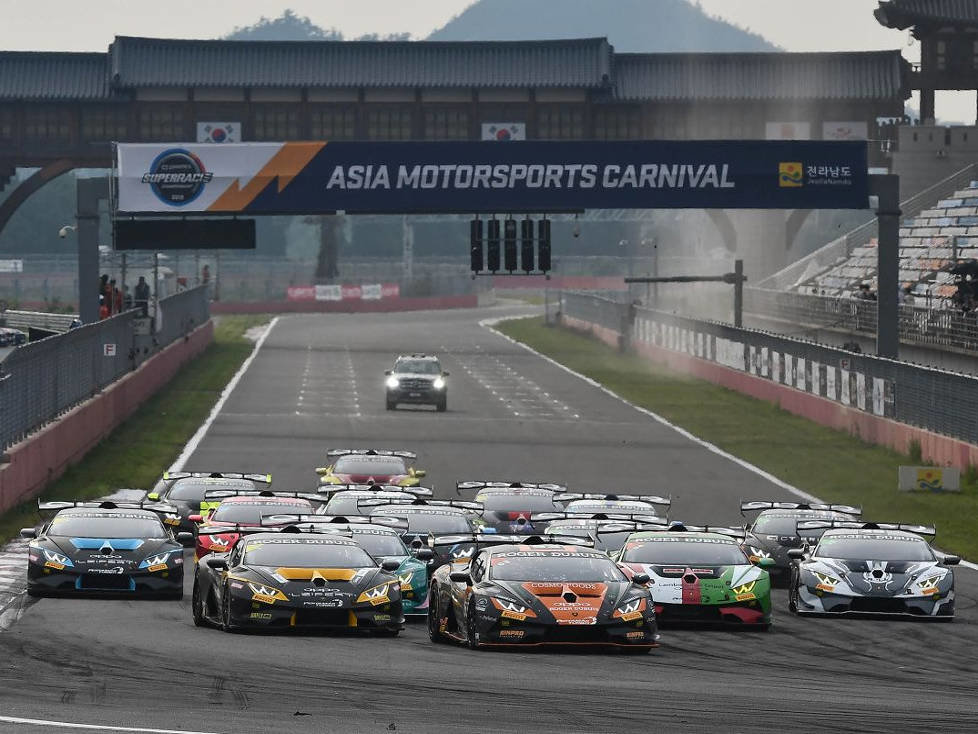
[185,490]
[700,574]
[417,379]
[774,530]
[871,568]
[291,579]
[105,548]
[508,506]
[528,592]
[370,466]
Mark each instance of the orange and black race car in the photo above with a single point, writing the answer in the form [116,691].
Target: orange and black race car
[519,590]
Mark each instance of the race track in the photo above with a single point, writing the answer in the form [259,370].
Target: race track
[317,383]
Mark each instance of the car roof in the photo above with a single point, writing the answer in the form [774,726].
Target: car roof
[419,509]
[121,512]
[385,493]
[871,533]
[545,547]
[318,538]
[516,491]
[258,500]
[610,504]
[416,356]
[807,513]
[683,535]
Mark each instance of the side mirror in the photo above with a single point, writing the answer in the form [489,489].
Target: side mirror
[322,470]
[388,373]
[185,538]
[196,518]
[219,563]
[420,473]
[767,562]
[947,561]
[641,579]
[390,565]
[796,554]
[425,554]
[153,496]
[32,533]
[461,577]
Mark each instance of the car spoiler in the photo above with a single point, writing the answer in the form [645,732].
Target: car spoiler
[924,530]
[652,499]
[221,494]
[170,476]
[737,533]
[612,516]
[160,509]
[417,501]
[331,489]
[280,519]
[475,486]
[480,540]
[758,505]
[601,527]
[333,453]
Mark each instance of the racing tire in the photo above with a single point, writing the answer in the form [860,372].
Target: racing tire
[391,404]
[226,624]
[473,638]
[793,599]
[442,405]
[197,607]
[434,618]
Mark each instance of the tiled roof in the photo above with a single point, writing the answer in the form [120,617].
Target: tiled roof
[905,13]
[731,76]
[55,76]
[148,62]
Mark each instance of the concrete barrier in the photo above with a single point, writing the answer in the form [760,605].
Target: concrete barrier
[942,450]
[43,457]
[384,305]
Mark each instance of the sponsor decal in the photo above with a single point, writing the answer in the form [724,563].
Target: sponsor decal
[55,565]
[824,587]
[177,177]
[583,621]
[260,615]
[634,635]
[517,634]
[745,597]
[631,615]
[507,614]
[157,567]
[264,599]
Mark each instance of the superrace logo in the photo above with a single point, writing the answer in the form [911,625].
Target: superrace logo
[177,177]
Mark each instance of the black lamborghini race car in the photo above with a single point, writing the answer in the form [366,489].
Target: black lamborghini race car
[507,506]
[531,593]
[871,568]
[106,548]
[430,519]
[292,579]
[775,530]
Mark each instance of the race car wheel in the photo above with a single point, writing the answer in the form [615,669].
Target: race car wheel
[434,617]
[226,612]
[442,405]
[472,633]
[391,404]
[793,599]
[197,607]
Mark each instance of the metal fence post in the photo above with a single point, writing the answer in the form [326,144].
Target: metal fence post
[887,188]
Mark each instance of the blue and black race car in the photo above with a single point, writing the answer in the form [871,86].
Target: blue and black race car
[106,548]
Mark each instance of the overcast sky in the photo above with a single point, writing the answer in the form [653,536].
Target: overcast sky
[89,25]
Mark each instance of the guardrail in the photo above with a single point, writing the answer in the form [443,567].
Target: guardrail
[42,380]
[37,319]
[939,401]
[940,328]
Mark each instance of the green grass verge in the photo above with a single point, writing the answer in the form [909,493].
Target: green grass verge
[137,452]
[830,464]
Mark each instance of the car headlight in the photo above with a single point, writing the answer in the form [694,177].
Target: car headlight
[393,382]
[379,594]
[509,609]
[926,586]
[744,591]
[825,581]
[161,560]
[631,609]
[439,383]
[55,560]
[405,579]
[266,594]
[757,554]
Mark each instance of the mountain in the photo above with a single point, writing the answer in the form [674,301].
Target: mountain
[292,27]
[630,25]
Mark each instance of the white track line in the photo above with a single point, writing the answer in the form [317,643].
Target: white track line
[490,325]
[97,727]
[195,440]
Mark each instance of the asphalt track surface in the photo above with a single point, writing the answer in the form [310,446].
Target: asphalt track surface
[317,383]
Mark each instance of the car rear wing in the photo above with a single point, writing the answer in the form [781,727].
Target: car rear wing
[738,533]
[652,499]
[221,494]
[171,476]
[281,519]
[480,540]
[612,516]
[331,489]
[925,530]
[601,527]
[476,486]
[375,502]
[759,505]
[335,453]
[160,509]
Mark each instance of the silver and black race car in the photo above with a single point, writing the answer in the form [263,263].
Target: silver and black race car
[528,592]
[775,530]
[298,579]
[607,535]
[507,506]
[106,548]
[871,568]
[614,505]
[344,499]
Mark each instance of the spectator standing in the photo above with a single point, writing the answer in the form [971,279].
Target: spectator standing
[116,296]
[103,309]
[142,294]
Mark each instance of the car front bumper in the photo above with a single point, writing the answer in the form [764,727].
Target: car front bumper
[811,601]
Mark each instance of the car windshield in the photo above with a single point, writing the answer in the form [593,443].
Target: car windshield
[345,503]
[781,524]
[370,465]
[192,489]
[250,513]
[670,551]
[543,566]
[305,554]
[603,541]
[424,522]
[381,544]
[874,548]
[417,367]
[106,526]
[519,503]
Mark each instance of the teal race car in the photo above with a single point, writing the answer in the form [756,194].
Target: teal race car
[700,574]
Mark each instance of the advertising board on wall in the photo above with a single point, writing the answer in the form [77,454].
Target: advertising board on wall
[472,177]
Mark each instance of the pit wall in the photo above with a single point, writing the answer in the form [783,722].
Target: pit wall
[44,456]
[942,450]
[385,305]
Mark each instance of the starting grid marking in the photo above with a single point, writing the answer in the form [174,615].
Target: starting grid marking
[523,397]
[13,582]
[329,385]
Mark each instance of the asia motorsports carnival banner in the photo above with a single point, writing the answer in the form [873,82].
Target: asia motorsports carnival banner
[470,177]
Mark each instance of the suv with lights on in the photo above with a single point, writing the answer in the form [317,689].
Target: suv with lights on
[417,379]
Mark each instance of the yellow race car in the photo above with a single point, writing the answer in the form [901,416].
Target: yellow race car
[370,466]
